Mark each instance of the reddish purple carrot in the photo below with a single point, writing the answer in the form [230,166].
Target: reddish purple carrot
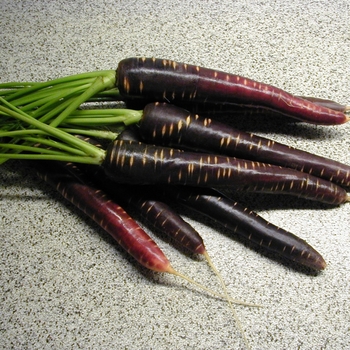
[110,216]
[170,81]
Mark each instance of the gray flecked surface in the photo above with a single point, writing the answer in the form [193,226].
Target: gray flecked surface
[65,285]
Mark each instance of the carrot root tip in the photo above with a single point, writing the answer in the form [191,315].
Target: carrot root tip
[172,271]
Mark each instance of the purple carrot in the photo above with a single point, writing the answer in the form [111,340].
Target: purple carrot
[173,126]
[170,81]
[244,222]
[137,162]
[109,215]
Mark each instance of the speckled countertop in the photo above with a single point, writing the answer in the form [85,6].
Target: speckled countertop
[64,284]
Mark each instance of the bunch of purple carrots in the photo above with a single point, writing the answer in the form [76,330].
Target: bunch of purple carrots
[87,139]
[170,142]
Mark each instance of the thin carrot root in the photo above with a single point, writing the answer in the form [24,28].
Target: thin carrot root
[226,296]
[171,270]
[235,316]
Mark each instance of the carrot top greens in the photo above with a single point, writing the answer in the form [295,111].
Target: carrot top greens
[47,113]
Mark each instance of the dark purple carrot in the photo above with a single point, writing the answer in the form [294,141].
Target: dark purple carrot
[137,162]
[173,126]
[170,81]
[244,222]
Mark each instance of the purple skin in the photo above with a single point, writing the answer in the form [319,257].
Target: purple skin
[144,200]
[109,215]
[241,221]
[172,126]
[140,163]
[169,81]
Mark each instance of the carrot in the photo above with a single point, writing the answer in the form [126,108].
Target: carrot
[110,216]
[173,126]
[244,222]
[230,214]
[170,81]
[137,162]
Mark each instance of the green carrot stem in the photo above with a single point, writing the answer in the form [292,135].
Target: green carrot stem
[20,133]
[39,85]
[58,157]
[54,144]
[100,134]
[15,85]
[51,99]
[60,106]
[48,92]
[101,83]
[95,121]
[31,149]
[90,150]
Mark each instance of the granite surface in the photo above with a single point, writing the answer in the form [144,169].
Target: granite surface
[64,284]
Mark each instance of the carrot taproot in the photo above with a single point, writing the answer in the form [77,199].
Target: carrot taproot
[239,219]
[170,81]
[173,126]
[137,162]
[242,221]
